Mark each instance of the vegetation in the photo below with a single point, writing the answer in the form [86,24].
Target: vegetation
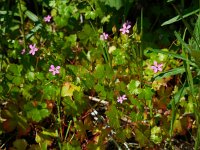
[77,74]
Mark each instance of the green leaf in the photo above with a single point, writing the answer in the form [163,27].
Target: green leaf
[113,116]
[156,135]
[119,57]
[36,112]
[68,89]
[99,72]
[50,91]
[100,89]
[15,69]
[90,15]
[117,4]
[31,16]
[133,87]
[17,80]
[136,116]
[34,30]
[50,133]
[142,137]
[31,76]
[20,144]
[71,40]
[169,73]
[87,34]
[177,18]
[170,54]
[186,46]
[146,94]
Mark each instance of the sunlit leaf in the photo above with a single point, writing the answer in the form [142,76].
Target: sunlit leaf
[133,87]
[68,89]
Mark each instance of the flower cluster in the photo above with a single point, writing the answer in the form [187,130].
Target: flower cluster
[125,29]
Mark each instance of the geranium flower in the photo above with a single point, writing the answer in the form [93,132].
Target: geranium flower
[54,70]
[120,99]
[23,51]
[104,36]
[47,18]
[33,49]
[125,28]
[157,67]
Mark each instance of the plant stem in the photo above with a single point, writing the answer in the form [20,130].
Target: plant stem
[22,23]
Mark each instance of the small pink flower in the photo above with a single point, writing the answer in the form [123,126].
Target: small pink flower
[47,18]
[157,67]
[54,70]
[23,51]
[104,36]
[33,49]
[125,28]
[120,99]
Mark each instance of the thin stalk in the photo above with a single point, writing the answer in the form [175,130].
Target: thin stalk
[22,23]
[141,49]
[195,101]
[69,125]
[59,113]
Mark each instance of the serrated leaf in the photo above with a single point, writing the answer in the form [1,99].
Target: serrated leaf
[146,94]
[133,87]
[156,135]
[90,15]
[71,40]
[37,111]
[87,34]
[119,57]
[113,116]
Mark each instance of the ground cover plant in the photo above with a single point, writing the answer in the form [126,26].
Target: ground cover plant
[99,74]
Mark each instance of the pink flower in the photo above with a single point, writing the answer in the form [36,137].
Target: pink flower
[125,28]
[47,18]
[23,51]
[54,70]
[104,36]
[33,49]
[157,67]
[120,99]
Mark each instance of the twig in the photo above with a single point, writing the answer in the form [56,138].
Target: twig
[98,100]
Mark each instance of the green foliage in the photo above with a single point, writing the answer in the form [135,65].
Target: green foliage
[105,85]
[36,111]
